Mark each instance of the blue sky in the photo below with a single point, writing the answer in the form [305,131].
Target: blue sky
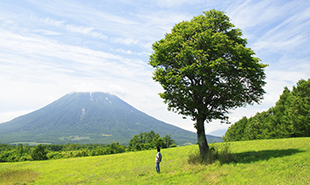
[51,48]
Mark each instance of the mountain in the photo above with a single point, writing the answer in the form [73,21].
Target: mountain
[89,118]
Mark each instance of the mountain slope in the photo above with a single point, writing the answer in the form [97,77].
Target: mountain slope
[88,118]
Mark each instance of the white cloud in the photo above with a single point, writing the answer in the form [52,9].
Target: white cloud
[52,22]
[79,29]
[8,116]
[87,87]
[73,28]
[48,32]
[257,14]
[126,41]
[124,51]
[174,3]
[85,60]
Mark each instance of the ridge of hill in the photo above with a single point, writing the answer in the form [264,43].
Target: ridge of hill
[89,118]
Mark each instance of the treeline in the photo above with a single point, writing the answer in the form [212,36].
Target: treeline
[146,141]
[290,117]
[143,141]
[22,152]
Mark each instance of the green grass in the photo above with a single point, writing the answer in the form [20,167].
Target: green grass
[282,161]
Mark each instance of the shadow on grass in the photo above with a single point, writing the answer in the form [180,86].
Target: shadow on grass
[254,156]
[224,156]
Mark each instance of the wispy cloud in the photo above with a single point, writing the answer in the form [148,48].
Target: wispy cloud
[52,22]
[48,32]
[288,36]
[257,14]
[72,28]
[126,41]
[174,3]
[278,33]
[102,20]
[124,51]
[43,53]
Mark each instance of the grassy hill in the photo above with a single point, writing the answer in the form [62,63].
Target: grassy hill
[282,161]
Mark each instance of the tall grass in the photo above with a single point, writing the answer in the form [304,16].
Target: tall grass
[220,153]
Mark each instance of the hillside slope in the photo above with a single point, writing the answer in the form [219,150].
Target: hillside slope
[290,117]
[88,118]
[282,161]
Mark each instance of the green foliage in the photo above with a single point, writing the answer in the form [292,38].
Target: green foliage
[116,148]
[5,147]
[54,155]
[206,69]
[289,118]
[146,141]
[168,140]
[39,153]
[11,153]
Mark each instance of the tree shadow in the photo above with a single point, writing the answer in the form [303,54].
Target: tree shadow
[254,156]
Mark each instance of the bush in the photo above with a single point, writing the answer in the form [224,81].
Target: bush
[81,154]
[225,156]
[222,154]
[25,158]
[54,155]
[39,153]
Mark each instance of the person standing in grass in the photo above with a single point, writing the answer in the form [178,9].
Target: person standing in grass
[158,159]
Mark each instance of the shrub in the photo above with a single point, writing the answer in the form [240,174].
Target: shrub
[222,154]
[39,153]
[225,156]
[25,158]
[54,155]
[81,154]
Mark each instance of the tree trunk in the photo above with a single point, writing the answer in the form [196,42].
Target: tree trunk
[201,137]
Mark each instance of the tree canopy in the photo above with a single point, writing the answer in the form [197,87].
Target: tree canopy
[150,140]
[290,117]
[206,69]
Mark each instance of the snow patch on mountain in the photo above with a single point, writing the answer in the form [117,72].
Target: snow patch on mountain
[91,96]
[108,100]
[82,114]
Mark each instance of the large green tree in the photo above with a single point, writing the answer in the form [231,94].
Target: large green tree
[206,69]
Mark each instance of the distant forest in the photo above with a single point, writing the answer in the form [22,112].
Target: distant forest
[290,117]
[143,141]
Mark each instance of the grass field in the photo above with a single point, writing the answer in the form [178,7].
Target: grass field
[282,161]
